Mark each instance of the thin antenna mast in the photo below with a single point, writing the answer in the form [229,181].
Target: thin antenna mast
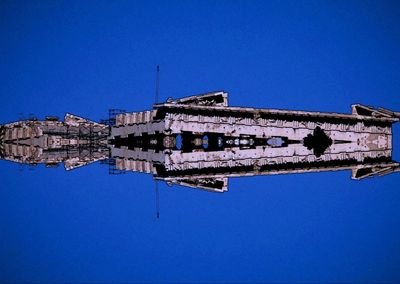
[156,181]
[157,201]
[157,83]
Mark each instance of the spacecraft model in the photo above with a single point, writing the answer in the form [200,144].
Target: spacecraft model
[200,141]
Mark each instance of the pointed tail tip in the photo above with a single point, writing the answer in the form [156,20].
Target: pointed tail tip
[2,133]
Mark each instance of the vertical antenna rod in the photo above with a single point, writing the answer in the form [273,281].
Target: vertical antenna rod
[156,185]
[157,82]
[157,201]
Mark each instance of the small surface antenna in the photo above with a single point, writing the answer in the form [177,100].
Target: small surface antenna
[157,83]
[156,181]
[157,201]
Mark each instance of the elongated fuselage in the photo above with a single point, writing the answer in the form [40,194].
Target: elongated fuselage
[200,141]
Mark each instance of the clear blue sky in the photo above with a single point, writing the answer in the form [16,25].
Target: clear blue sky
[85,57]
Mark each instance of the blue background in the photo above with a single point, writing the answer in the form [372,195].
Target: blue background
[84,57]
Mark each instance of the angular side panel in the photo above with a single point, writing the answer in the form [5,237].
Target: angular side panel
[219,98]
[74,120]
[210,184]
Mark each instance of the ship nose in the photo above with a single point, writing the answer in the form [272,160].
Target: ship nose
[2,133]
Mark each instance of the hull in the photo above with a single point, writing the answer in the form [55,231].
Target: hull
[200,142]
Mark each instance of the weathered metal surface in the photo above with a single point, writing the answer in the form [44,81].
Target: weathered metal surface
[75,141]
[200,141]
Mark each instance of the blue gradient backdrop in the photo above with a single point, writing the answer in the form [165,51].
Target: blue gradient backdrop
[84,57]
